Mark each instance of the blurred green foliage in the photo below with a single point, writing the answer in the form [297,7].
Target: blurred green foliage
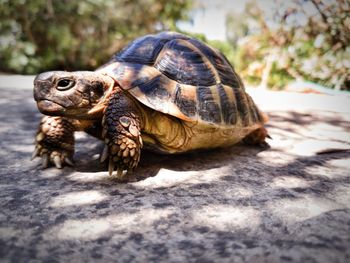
[277,41]
[270,42]
[40,35]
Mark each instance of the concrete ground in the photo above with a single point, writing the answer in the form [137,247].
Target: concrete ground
[289,203]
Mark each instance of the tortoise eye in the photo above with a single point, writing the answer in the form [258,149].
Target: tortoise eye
[65,84]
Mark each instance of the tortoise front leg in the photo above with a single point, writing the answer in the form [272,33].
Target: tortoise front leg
[55,141]
[121,133]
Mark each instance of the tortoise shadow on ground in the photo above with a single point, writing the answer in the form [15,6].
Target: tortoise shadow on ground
[151,163]
[315,124]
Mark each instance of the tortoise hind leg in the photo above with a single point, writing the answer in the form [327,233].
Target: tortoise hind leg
[257,137]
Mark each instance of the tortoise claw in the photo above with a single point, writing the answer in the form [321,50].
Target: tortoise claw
[69,161]
[110,166]
[57,161]
[104,154]
[119,173]
[57,157]
[35,153]
[45,159]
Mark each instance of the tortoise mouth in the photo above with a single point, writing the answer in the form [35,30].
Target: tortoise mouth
[49,107]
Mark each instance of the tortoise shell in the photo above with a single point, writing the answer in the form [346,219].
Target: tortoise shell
[183,77]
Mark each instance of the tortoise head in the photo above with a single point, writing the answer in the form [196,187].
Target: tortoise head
[71,94]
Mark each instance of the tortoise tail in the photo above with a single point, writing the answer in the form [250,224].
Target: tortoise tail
[264,117]
[257,137]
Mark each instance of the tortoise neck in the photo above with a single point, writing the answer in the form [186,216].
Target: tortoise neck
[109,86]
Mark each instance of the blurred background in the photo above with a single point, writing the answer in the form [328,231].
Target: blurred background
[271,43]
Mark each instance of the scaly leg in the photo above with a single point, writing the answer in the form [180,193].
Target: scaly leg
[122,133]
[55,141]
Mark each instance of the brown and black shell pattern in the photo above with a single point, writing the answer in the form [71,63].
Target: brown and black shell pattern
[181,76]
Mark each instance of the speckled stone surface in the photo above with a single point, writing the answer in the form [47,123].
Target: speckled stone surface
[240,204]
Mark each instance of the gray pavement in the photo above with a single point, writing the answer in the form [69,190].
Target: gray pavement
[289,203]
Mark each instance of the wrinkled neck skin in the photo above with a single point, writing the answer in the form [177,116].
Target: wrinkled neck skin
[96,112]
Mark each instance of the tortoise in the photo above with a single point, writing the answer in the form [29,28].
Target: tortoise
[167,92]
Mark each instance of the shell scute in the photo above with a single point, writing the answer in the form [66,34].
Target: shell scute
[208,107]
[179,62]
[228,106]
[186,100]
[224,68]
[155,90]
[242,106]
[142,50]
